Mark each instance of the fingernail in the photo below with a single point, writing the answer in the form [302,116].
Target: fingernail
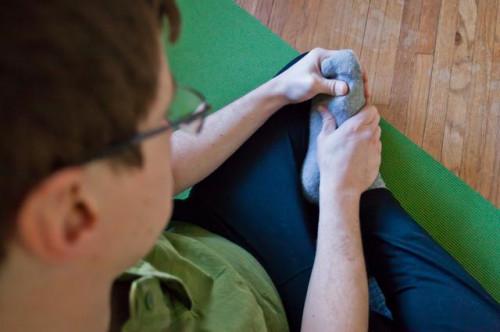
[340,88]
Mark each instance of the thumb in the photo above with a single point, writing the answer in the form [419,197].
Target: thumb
[329,123]
[333,87]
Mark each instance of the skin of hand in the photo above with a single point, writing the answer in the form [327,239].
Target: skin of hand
[304,80]
[349,157]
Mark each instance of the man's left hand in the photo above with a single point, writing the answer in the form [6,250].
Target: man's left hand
[304,80]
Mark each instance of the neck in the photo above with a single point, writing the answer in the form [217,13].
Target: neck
[61,301]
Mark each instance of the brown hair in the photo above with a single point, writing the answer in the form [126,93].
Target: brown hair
[75,76]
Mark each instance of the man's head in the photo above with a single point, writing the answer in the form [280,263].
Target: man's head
[75,77]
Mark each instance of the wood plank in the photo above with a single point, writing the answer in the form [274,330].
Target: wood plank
[372,39]
[460,86]
[262,10]
[297,20]
[489,184]
[429,19]
[309,14]
[386,58]
[283,25]
[355,31]
[345,21]
[441,73]
[326,24]
[278,22]
[342,22]
[404,66]
[335,22]
[417,104]
[494,103]
[474,160]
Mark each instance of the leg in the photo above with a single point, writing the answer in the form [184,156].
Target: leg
[255,200]
[425,288]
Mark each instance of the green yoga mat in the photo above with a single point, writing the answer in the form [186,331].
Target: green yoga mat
[225,52]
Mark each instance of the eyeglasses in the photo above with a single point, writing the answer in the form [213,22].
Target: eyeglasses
[186,112]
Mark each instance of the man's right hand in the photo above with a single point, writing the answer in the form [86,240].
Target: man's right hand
[349,157]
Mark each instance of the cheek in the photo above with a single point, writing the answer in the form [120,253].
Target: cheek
[136,206]
[159,177]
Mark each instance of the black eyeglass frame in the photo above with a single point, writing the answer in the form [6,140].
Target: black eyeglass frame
[200,112]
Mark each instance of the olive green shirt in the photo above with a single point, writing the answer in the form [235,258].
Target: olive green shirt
[194,280]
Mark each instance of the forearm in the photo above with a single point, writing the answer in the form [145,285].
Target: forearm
[337,296]
[195,157]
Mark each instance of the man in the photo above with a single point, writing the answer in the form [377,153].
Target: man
[88,175]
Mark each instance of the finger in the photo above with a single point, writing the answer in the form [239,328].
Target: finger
[324,53]
[366,117]
[333,87]
[378,133]
[375,134]
[373,117]
[329,123]
[366,134]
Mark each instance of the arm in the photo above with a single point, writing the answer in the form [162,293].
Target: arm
[349,159]
[195,157]
[337,296]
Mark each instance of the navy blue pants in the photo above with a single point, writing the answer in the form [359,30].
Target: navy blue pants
[255,200]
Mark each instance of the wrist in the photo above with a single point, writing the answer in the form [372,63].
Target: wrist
[339,210]
[338,196]
[275,89]
[337,190]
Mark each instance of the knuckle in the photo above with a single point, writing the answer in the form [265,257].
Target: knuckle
[328,127]
[353,128]
[365,115]
[368,135]
[372,110]
[320,141]
[310,82]
[316,81]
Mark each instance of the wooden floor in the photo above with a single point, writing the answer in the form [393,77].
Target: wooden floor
[433,67]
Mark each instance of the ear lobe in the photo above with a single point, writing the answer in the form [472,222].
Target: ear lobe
[56,218]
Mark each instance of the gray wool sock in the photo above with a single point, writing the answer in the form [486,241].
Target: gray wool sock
[342,66]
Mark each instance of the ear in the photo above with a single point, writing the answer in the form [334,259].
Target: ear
[57,219]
